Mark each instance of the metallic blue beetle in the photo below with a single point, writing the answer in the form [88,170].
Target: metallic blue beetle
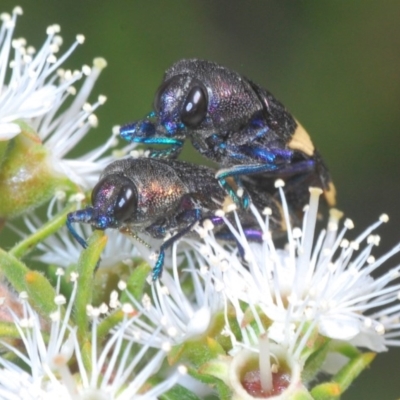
[236,123]
[166,197]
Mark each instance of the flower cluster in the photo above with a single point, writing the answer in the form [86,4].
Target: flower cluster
[242,321]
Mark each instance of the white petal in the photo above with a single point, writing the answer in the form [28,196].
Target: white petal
[334,362]
[39,103]
[200,321]
[9,131]
[370,340]
[339,327]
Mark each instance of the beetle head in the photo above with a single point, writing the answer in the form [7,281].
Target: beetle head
[114,201]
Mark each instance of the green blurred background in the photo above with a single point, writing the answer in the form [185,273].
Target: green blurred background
[335,65]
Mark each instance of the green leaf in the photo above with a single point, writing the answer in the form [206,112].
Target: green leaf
[344,378]
[345,349]
[3,150]
[108,323]
[301,394]
[64,281]
[86,351]
[14,270]
[137,282]
[40,292]
[9,330]
[327,391]
[27,178]
[178,393]
[196,352]
[50,227]
[87,264]
[352,369]
[224,392]
[216,368]
[313,364]
[217,325]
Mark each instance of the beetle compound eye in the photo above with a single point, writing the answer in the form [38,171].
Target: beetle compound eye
[126,203]
[159,93]
[98,189]
[194,108]
[169,84]
[114,201]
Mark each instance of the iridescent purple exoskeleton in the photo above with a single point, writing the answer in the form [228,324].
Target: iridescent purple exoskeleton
[166,197]
[239,125]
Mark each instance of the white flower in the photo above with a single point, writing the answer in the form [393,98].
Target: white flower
[116,370]
[17,384]
[40,352]
[30,91]
[259,365]
[176,315]
[284,300]
[331,284]
[38,93]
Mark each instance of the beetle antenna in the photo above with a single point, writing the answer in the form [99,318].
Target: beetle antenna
[126,230]
[85,215]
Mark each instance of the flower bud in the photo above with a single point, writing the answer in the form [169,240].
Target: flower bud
[27,177]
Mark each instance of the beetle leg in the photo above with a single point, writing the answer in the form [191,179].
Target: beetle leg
[171,152]
[175,147]
[248,134]
[193,216]
[242,201]
[159,229]
[143,132]
[269,171]
[227,151]
[189,216]
[252,235]
[213,148]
